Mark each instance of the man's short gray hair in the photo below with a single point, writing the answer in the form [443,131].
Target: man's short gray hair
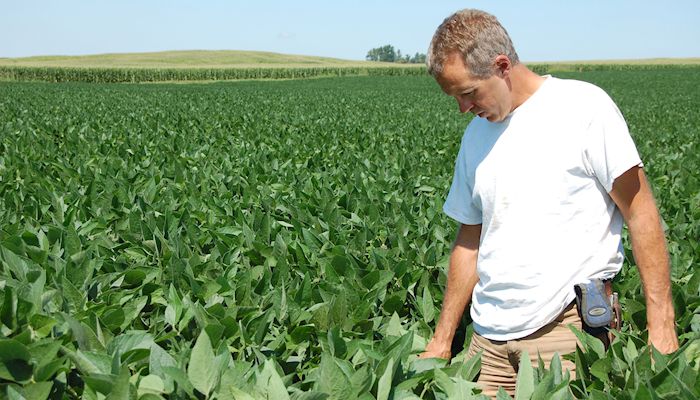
[477,36]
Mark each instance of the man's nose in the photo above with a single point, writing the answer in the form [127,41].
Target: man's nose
[465,105]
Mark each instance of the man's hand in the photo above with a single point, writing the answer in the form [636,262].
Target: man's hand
[664,340]
[434,349]
[634,198]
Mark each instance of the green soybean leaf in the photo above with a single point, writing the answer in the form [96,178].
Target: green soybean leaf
[270,382]
[201,369]
[427,306]
[180,378]
[121,389]
[501,394]
[525,384]
[158,360]
[14,361]
[384,385]
[37,390]
[332,380]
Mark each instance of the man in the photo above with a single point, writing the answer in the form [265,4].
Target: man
[545,175]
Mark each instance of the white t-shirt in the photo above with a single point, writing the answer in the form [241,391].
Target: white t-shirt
[538,183]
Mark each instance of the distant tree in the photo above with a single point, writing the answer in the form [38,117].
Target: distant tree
[385,53]
[419,58]
[373,55]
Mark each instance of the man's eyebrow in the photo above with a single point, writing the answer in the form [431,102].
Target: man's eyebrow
[467,88]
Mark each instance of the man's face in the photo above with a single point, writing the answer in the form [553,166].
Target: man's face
[488,98]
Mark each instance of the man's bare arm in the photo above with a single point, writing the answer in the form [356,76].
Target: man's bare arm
[634,198]
[461,279]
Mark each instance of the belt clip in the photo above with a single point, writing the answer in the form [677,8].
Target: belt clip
[594,304]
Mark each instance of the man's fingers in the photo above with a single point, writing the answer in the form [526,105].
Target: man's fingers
[426,354]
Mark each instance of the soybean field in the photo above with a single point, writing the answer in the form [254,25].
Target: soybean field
[285,240]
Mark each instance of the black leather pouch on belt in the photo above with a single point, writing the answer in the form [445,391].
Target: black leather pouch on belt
[598,308]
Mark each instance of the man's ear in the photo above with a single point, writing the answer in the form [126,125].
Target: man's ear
[503,65]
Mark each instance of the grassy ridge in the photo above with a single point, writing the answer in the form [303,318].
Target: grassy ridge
[246,59]
[182,59]
[189,66]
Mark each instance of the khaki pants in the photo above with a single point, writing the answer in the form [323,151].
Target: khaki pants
[500,359]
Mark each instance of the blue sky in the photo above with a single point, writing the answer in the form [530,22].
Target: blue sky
[541,30]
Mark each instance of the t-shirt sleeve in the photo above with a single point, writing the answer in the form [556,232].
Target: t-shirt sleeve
[610,150]
[459,204]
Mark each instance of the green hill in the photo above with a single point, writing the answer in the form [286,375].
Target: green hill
[184,59]
[246,59]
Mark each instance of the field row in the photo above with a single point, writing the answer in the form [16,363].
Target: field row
[137,75]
